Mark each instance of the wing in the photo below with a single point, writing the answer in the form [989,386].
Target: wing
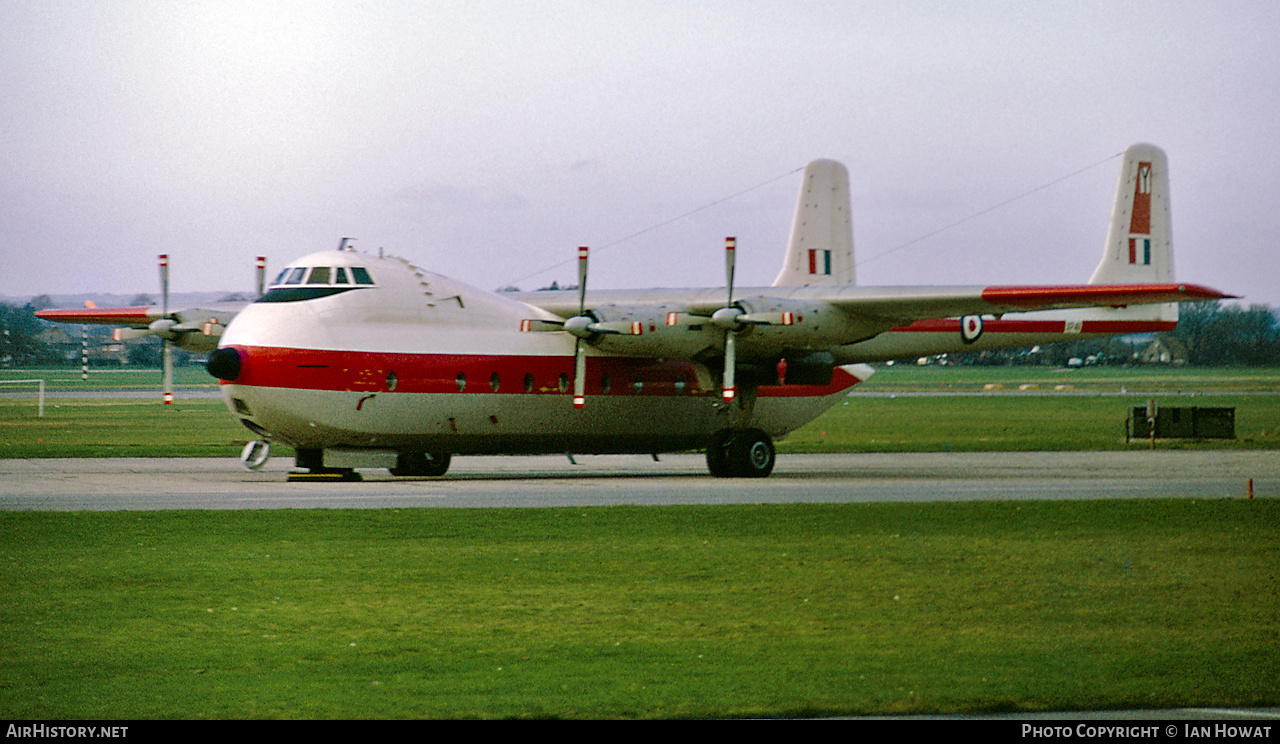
[124,317]
[908,304]
[898,304]
[775,322]
[194,329]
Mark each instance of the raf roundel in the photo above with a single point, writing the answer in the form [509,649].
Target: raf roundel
[970,328]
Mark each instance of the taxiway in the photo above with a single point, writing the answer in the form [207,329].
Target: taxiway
[478,482]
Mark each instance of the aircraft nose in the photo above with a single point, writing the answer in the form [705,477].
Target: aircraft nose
[225,363]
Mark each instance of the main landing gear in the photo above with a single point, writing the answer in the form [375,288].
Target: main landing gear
[311,466]
[422,463]
[313,461]
[742,453]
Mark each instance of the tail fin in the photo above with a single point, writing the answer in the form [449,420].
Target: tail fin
[1139,242]
[820,251]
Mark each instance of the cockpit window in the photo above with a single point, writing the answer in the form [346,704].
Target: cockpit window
[324,275]
[298,283]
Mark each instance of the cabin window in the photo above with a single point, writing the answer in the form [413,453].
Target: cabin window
[392,380]
[528,382]
[319,275]
[605,383]
[361,276]
[564,383]
[462,381]
[494,382]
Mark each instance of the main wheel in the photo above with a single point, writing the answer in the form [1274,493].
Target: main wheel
[741,454]
[422,463]
[752,454]
[718,454]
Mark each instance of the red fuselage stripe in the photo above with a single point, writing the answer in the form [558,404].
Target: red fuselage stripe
[376,372]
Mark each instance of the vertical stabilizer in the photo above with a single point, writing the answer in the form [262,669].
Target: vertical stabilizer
[1139,242]
[820,251]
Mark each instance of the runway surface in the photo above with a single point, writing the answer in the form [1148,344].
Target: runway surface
[222,483]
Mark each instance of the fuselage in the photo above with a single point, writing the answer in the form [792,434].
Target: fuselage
[350,351]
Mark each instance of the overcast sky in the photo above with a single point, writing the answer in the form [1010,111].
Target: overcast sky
[486,140]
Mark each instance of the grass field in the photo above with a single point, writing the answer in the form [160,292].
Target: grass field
[653,612]
[1017,423]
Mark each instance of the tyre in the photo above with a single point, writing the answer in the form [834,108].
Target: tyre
[741,454]
[422,463]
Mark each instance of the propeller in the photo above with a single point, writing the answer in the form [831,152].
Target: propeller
[579,347]
[171,329]
[727,318]
[586,327]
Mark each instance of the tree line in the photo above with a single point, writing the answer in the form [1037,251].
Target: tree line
[1219,335]
[1209,334]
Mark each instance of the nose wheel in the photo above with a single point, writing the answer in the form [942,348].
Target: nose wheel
[747,453]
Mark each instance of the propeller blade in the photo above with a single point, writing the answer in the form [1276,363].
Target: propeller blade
[537,325]
[168,348]
[730,352]
[612,328]
[168,373]
[129,334]
[582,279]
[580,350]
[729,245]
[580,375]
[164,283]
[781,318]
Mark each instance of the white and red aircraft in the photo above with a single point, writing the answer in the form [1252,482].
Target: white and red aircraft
[362,361]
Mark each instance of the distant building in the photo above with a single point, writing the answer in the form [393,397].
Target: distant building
[1163,350]
[69,347]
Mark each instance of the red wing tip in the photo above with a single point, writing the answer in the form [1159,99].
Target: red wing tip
[110,315]
[1101,294]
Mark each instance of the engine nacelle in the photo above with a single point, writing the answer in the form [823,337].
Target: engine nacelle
[773,327]
[662,331]
[764,328]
